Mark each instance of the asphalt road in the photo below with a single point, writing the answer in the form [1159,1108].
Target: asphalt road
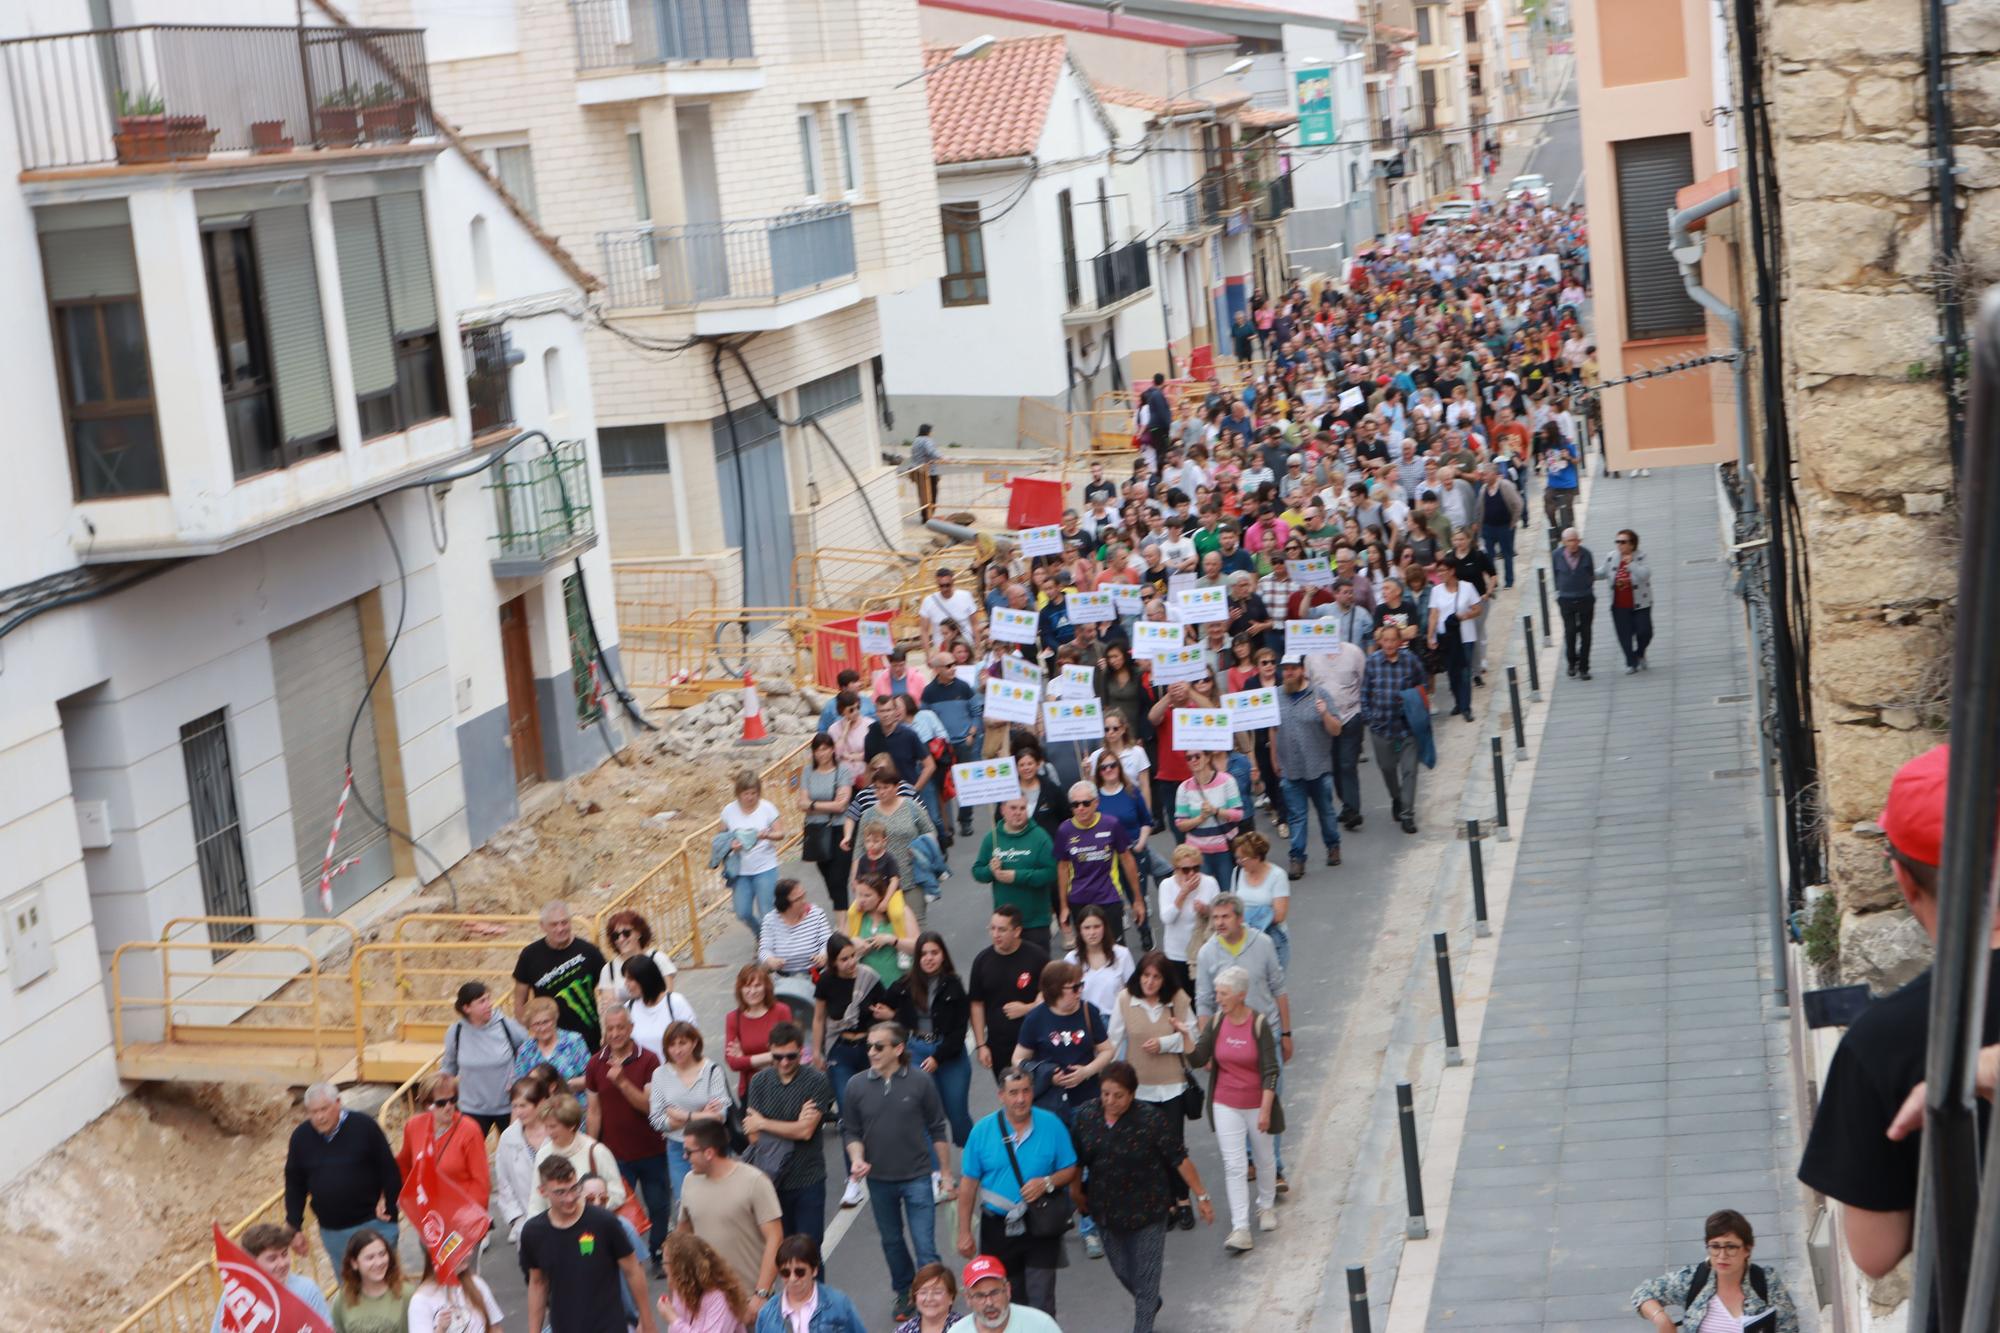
[1559,157]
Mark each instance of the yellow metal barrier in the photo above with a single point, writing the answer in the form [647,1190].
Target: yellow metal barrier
[838,577]
[264,1037]
[665,592]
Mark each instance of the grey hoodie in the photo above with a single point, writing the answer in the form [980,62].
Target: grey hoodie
[483,1060]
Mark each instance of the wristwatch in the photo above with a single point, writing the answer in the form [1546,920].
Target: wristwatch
[1286,1033]
[1202,1198]
[762,1293]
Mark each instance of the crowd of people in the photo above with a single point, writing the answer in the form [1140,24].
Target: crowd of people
[659,1168]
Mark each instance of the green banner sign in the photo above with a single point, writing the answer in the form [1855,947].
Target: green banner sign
[1314,88]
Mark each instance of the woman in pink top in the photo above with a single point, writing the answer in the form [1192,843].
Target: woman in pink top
[1269,532]
[1241,1052]
[703,1292]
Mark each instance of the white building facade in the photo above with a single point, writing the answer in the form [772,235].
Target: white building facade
[259,301]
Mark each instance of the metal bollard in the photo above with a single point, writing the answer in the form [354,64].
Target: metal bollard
[1542,577]
[1534,667]
[1479,926]
[1446,1006]
[1357,1299]
[1520,727]
[1500,829]
[1413,1179]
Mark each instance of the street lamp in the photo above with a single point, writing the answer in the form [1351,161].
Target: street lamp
[972,50]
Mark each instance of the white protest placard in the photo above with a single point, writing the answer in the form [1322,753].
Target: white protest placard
[1202,729]
[1078,681]
[1252,709]
[1311,636]
[1127,599]
[1011,626]
[1350,399]
[876,640]
[1202,606]
[1177,583]
[1020,670]
[1041,541]
[1091,608]
[986,781]
[1154,636]
[1073,720]
[1172,666]
[1011,701]
[1316,572]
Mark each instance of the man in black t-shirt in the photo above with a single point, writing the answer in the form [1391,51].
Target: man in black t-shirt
[1849,1155]
[574,1257]
[1003,986]
[891,737]
[563,968]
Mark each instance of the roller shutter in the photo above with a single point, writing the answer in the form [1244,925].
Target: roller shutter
[1650,173]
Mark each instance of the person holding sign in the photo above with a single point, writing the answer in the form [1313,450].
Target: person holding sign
[1094,864]
[1307,716]
[1208,808]
[950,606]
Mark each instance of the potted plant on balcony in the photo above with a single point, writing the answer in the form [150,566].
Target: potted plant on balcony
[146,133]
[268,136]
[387,117]
[337,119]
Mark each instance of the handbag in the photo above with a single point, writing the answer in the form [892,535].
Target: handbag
[1048,1216]
[818,844]
[769,1154]
[1193,1101]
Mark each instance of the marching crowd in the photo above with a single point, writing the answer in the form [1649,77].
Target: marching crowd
[658,1168]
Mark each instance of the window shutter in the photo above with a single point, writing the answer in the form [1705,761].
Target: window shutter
[89,263]
[407,256]
[1650,173]
[293,323]
[365,297]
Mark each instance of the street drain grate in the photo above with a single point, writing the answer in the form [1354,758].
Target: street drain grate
[1732,698]
[1722,773]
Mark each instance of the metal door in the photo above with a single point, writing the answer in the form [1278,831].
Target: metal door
[702,258]
[756,502]
[524,724]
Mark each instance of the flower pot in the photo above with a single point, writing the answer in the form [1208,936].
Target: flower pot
[338,126]
[390,122]
[146,139]
[268,136]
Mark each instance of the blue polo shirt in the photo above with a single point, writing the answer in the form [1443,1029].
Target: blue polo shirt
[1561,466]
[1045,1151]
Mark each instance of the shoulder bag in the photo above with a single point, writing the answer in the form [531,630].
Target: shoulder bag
[1048,1216]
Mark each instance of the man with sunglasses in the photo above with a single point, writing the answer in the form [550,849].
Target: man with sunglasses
[732,1206]
[1095,866]
[791,1100]
[893,1126]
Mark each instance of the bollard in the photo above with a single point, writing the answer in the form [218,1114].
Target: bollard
[1534,669]
[1500,829]
[1542,576]
[1479,926]
[1520,728]
[1413,1180]
[1357,1299]
[1452,1055]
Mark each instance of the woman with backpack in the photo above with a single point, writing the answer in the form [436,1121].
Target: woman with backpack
[480,1049]
[1725,1290]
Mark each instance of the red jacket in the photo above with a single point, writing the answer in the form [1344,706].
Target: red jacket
[461,1157]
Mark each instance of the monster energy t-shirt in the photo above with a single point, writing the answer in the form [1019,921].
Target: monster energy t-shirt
[569,977]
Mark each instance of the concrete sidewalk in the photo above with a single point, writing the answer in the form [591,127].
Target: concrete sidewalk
[1628,1076]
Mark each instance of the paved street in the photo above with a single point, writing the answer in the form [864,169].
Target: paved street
[1628,1079]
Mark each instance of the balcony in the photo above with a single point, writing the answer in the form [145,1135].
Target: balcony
[1118,278]
[1193,210]
[628,50]
[1274,198]
[541,510]
[738,276]
[182,94]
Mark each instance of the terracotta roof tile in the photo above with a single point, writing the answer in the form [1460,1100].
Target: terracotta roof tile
[1160,106]
[995,105]
[1266,118]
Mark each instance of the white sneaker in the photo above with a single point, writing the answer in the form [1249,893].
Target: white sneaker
[854,1194]
[1267,1219]
[1240,1240]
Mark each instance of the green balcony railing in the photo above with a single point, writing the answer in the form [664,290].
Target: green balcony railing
[542,512]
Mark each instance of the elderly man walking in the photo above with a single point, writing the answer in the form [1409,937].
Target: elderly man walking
[1576,573]
[1302,752]
[563,968]
[1390,671]
[341,1161]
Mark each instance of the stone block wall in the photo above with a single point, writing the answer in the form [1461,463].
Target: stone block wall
[1861,285]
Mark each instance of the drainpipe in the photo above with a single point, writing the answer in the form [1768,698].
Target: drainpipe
[1686,248]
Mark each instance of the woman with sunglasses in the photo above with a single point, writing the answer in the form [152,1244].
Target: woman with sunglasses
[1208,810]
[457,1141]
[931,1004]
[1120,795]
[627,936]
[803,1303]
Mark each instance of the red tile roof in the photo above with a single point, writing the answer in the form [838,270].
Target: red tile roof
[1089,18]
[1263,118]
[994,105]
[1160,106]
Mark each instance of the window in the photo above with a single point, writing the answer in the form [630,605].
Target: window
[515,167]
[809,152]
[847,127]
[101,353]
[237,306]
[826,29]
[1066,226]
[1650,172]
[964,280]
[218,835]
[1472,26]
[392,321]
[631,451]
[489,361]
[830,393]
[635,153]
[1423,25]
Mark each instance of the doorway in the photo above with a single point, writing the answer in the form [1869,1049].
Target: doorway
[524,724]
[704,260]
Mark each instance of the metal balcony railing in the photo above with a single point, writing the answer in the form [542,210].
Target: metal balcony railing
[541,509]
[1274,198]
[1119,272]
[621,34]
[748,260]
[1181,212]
[181,92]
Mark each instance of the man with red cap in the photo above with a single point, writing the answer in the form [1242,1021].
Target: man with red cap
[992,1302]
[1862,1149]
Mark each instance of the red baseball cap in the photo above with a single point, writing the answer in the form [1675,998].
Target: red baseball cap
[1913,814]
[980,1269]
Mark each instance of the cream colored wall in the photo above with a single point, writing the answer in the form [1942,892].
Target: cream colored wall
[1683,424]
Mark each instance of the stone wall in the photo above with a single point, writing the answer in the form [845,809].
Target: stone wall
[1866,403]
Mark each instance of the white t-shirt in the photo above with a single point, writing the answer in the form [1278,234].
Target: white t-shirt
[611,976]
[1177,553]
[651,1021]
[763,855]
[1102,984]
[1262,895]
[1133,761]
[473,1309]
[1020,1319]
[937,610]
[1444,604]
[1180,921]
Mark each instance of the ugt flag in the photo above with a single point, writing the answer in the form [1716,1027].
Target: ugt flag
[449,1221]
[254,1302]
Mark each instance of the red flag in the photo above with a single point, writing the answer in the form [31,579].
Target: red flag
[449,1221]
[253,1301]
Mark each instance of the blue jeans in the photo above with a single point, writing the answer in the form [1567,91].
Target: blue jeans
[1319,790]
[336,1239]
[1347,764]
[844,1059]
[954,1085]
[648,1175]
[893,1201]
[1499,544]
[754,895]
[1458,667]
[1219,866]
[677,1169]
[803,1210]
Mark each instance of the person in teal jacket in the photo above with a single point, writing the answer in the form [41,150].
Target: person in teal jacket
[799,1290]
[1018,858]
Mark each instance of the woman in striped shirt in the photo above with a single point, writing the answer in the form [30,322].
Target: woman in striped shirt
[793,939]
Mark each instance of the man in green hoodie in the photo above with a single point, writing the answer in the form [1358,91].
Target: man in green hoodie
[1019,860]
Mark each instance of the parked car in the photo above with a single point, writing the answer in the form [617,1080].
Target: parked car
[1533,188]
[1448,212]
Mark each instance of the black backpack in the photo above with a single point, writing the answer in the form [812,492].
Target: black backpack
[1758,1283]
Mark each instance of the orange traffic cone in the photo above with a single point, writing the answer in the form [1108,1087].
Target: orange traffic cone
[753,714]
